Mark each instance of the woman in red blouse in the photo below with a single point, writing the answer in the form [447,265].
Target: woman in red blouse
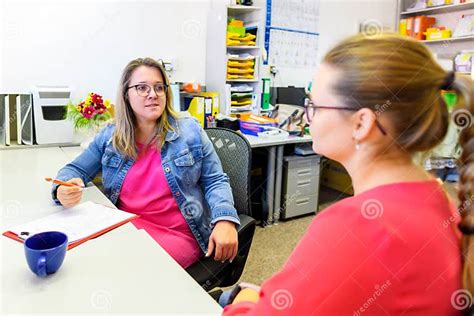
[394,248]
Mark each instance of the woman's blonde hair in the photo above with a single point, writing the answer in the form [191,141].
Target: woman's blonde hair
[399,78]
[123,138]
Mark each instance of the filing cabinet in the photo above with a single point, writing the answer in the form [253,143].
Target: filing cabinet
[300,187]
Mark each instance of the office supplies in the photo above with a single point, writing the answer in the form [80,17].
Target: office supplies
[253,124]
[195,106]
[67,184]
[49,106]
[273,133]
[7,120]
[80,223]
[24,111]
[266,93]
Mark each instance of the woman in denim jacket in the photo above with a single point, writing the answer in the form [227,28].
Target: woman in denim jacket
[160,166]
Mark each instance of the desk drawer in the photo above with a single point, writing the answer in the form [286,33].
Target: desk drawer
[299,205]
[302,185]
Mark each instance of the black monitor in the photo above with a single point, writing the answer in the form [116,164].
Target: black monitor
[290,95]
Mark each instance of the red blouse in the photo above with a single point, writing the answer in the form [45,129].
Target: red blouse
[392,250]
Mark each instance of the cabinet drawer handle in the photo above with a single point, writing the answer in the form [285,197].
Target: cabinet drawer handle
[302,201]
[304,182]
[304,172]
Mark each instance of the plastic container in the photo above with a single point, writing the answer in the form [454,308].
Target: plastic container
[463,61]
[437,34]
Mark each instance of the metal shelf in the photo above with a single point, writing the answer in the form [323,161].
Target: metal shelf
[242,47]
[241,9]
[450,39]
[441,9]
[242,80]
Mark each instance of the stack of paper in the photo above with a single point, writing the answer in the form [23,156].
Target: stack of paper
[79,223]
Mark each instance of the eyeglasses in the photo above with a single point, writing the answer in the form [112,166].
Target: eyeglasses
[144,89]
[310,109]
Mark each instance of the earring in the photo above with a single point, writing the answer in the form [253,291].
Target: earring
[357,145]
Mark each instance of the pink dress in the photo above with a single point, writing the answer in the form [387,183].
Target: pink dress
[145,192]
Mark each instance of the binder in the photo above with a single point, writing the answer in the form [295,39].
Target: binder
[11,134]
[207,111]
[24,111]
[3,118]
[215,101]
[6,125]
[195,106]
[80,223]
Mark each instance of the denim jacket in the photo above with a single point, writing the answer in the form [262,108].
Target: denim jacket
[191,166]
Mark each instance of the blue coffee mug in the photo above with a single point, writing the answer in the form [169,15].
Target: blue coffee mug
[45,252]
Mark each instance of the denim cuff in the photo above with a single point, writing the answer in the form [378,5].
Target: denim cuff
[54,191]
[226,218]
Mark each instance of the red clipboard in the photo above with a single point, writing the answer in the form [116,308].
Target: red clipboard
[76,243]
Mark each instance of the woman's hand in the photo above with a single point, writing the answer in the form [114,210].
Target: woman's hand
[224,241]
[247,295]
[70,196]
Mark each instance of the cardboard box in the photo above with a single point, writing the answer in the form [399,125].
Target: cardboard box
[335,176]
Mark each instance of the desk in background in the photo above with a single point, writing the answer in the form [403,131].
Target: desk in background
[109,274]
[274,170]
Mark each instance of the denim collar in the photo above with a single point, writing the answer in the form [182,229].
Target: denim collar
[174,133]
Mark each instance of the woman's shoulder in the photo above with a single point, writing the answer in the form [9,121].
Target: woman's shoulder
[184,121]
[105,135]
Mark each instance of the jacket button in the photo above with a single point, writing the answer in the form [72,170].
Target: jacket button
[177,194]
[167,169]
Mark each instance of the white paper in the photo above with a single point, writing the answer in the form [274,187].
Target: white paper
[77,222]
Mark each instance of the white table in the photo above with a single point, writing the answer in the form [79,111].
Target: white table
[274,169]
[123,271]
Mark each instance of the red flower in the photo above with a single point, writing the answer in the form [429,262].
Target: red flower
[101,109]
[97,99]
[88,112]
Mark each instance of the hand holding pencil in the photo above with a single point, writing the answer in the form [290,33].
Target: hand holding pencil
[69,192]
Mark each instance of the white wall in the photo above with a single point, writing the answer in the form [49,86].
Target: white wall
[339,19]
[86,44]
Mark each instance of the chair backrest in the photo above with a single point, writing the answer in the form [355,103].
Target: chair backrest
[235,154]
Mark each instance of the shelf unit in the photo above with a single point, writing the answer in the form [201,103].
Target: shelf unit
[440,9]
[217,51]
[445,49]
[446,15]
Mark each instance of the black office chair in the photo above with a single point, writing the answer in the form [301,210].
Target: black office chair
[235,154]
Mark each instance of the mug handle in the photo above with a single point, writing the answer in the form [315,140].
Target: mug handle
[41,266]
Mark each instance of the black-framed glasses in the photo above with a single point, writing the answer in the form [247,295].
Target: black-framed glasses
[310,110]
[144,89]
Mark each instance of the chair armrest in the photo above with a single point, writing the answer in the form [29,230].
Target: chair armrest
[246,222]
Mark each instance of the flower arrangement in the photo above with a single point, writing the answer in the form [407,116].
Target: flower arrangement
[90,113]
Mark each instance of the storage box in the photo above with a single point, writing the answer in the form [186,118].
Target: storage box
[437,34]
[335,176]
[421,24]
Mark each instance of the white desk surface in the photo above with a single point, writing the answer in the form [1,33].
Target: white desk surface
[109,274]
[259,142]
